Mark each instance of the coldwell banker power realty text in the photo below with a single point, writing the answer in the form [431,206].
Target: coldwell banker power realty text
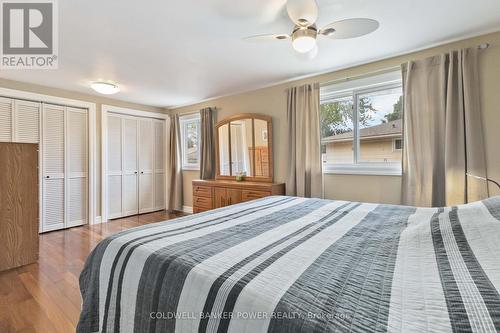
[29,34]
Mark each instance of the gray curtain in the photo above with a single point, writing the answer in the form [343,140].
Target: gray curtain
[174,165]
[443,131]
[207,152]
[304,142]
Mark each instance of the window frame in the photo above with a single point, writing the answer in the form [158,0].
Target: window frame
[394,148]
[358,167]
[184,121]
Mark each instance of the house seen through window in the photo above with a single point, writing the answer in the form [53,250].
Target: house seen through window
[361,126]
[190,138]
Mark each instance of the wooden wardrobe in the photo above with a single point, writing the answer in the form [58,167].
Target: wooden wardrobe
[18,204]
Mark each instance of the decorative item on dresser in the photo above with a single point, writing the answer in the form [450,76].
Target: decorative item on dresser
[18,204]
[244,168]
[211,194]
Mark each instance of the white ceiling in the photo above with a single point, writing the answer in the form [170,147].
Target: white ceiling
[167,53]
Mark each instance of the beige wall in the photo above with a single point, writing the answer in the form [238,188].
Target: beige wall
[272,101]
[87,98]
[379,189]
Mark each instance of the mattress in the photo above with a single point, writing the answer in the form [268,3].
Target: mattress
[287,264]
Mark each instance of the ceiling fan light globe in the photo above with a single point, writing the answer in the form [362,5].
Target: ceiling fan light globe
[304,39]
[304,44]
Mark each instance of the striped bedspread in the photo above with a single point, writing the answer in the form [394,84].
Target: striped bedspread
[285,264]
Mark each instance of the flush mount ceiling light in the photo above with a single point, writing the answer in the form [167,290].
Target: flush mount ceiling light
[304,14]
[104,88]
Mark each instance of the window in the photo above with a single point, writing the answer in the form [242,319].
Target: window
[361,126]
[398,144]
[190,137]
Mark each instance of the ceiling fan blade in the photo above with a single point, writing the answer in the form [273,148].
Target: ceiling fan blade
[302,12]
[264,38]
[350,28]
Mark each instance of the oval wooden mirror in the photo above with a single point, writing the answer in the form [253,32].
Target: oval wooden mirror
[244,146]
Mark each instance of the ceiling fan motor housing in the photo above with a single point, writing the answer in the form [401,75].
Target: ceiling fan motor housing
[299,32]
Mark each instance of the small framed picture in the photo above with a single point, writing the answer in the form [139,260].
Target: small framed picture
[264,135]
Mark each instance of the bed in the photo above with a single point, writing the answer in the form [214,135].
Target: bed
[287,264]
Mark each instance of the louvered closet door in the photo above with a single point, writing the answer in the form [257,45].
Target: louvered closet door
[130,198]
[146,164]
[159,164]
[76,166]
[114,166]
[53,168]
[26,120]
[5,119]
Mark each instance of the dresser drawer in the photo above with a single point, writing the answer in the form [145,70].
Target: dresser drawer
[247,195]
[202,191]
[202,202]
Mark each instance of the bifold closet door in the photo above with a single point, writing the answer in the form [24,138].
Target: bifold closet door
[135,165]
[76,166]
[19,121]
[65,167]
[114,172]
[159,164]
[62,133]
[53,168]
[26,122]
[5,119]
[146,165]
[130,196]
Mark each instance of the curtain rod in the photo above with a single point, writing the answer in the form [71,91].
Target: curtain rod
[483,46]
[194,112]
[366,74]
[188,113]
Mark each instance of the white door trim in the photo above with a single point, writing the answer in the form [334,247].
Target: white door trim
[105,109]
[26,95]
[131,112]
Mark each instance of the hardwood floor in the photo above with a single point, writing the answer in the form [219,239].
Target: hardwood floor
[45,297]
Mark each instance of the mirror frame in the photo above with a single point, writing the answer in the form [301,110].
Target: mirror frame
[252,116]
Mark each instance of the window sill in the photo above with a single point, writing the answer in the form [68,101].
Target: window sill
[190,168]
[360,169]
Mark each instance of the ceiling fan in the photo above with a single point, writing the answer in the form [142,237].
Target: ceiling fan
[304,14]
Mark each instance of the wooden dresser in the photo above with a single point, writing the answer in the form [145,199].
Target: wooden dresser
[211,194]
[18,204]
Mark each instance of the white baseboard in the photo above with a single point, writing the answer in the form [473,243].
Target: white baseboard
[98,220]
[187,209]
